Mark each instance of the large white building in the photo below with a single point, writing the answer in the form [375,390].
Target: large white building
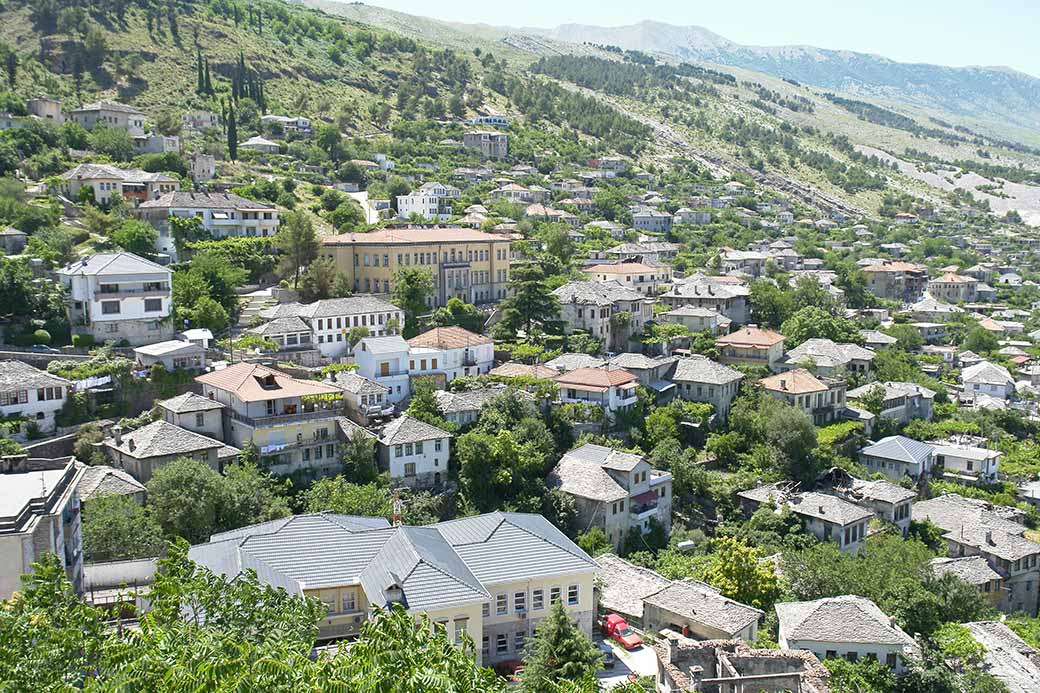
[119,296]
[385,361]
[222,214]
[39,513]
[431,201]
[329,322]
[33,395]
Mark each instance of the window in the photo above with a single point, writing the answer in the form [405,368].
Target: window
[485,646]
[349,601]
[537,600]
[152,305]
[200,419]
[501,644]
[460,630]
[832,654]
[890,660]
[572,595]
[409,469]
[110,307]
[398,450]
[519,640]
[501,605]
[852,656]
[554,595]
[437,445]
[485,609]
[418,448]
[520,601]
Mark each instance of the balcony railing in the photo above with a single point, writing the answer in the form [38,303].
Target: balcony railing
[281,419]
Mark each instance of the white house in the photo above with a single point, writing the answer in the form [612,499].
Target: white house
[986,378]
[109,182]
[109,114]
[385,360]
[119,296]
[173,354]
[31,394]
[898,456]
[431,201]
[850,627]
[965,462]
[614,389]
[194,413]
[260,144]
[450,352]
[297,124]
[221,214]
[331,320]
[414,452]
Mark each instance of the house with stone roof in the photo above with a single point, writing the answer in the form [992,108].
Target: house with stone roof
[849,627]
[828,358]
[986,378]
[646,279]
[490,577]
[463,407]
[699,379]
[32,395]
[615,491]
[901,402]
[974,570]
[727,298]
[223,215]
[827,517]
[1007,657]
[326,324]
[414,452]
[107,182]
[142,451]
[100,480]
[898,456]
[195,413]
[698,609]
[607,310]
[110,114]
[366,401]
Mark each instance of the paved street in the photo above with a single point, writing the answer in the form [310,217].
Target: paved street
[641,662]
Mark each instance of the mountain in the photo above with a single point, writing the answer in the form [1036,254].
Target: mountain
[999,99]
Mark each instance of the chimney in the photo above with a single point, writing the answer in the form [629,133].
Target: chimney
[131,444]
[822,511]
[117,434]
[783,384]
[672,645]
[989,537]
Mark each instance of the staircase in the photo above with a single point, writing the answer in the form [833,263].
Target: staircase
[252,304]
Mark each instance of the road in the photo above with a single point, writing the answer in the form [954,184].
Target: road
[641,662]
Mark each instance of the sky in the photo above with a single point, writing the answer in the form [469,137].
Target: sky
[943,32]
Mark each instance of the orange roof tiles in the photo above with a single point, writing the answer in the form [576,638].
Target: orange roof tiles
[251,382]
[600,378]
[448,338]
[751,336]
[796,382]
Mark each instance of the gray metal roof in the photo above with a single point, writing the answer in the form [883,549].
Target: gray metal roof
[900,449]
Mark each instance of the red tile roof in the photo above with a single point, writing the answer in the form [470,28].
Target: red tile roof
[248,382]
[596,377]
[448,338]
[751,336]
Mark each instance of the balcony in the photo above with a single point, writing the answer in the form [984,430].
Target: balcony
[103,294]
[283,419]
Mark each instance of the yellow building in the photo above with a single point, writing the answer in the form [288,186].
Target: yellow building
[468,264]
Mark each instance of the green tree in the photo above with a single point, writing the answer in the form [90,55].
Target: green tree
[532,300]
[323,279]
[908,337]
[117,528]
[412,286]
[594,542]
[336,494]
[559,652]
[739,573]
[770,305]
[232,133]
[185,497]
[298,243]
[423,406]
[136,237]
[460,314]
[358,457]
[980,340]
[250,496]
[186,230]
[813,322]
[862,676]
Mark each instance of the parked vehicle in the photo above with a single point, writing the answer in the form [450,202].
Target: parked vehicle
[511,670]
[618,630]
[609,658]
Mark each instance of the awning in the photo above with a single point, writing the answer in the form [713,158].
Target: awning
[661,385]
[645,497]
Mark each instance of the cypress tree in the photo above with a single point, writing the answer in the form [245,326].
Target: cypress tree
[232,134]
[11,60]
[208,83]
[238,15]
[559,652]
[260,20]
[223,114]
[200,84]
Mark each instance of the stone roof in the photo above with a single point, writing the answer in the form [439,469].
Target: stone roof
[893,389]
[828,508]
[951,511]
[900,449]
[357,384]
[280,326]
[596,293]
[881,490]
[331,307]
[108,106]
[18,375]
[972,569]
[845,619]
[407,429]
[701,369]
[161,439]
[1008,657]
[641,362]
[987,373]
[581,473]
[827,353]
[189,402]
[102,480]
[471,400]
[570,362]
[183,199]
[625,585]
[703,603]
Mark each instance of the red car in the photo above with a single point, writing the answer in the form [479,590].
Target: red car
[618,630]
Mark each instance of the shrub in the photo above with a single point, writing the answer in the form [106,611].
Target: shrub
[83,340]
[42,337]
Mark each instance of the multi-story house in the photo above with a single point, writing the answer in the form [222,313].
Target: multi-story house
[116,297]
[898,456]
[201,167]
[292,422]
[490,577]
[384,360]
[329,322]
[827,358]
[902,402]
[45,108]
[699,379]
[143,451]
[975,571]
[977,528]
[653,251]
[431,201]
[613,389]
[697,320]
[890,502]
[753,346]
[849,627]
[108,182]
[463,408]
[468,264]
[154,143]
[606,310]
[414,452]
[654,220]
[40,514]
[197,121]
[744,261]
[986,378]
[365,400]
[173,355]
[222,214]
[964,462]
[516,194]
[490,144]
[260,144]
[109,114]
[954,288]
[32,395]
[447,353]
[647,280]
[195,413]
[827,517]
[616,491]
[294,124]
[896,281]
[727,298]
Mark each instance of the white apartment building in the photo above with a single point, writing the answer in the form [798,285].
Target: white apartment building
[119,296]
[222,214]
[40,514]
[385,361]
[492,577]
[615,491]
[330,321]
[431,201]
[33,395]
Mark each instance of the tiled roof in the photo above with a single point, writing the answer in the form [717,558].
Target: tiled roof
[751,336]
[846,619]
[829,508]
[448,338]
[796,382]
[189,402]
[602,378]
[331,307]
[410,236]
[900,449]
[701,369]
[161,439]
[200,200]
[102,480]
[247,381]
[703,603]
[18,375]
[407,429]
[596,293]
[971,569]
[514,369]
